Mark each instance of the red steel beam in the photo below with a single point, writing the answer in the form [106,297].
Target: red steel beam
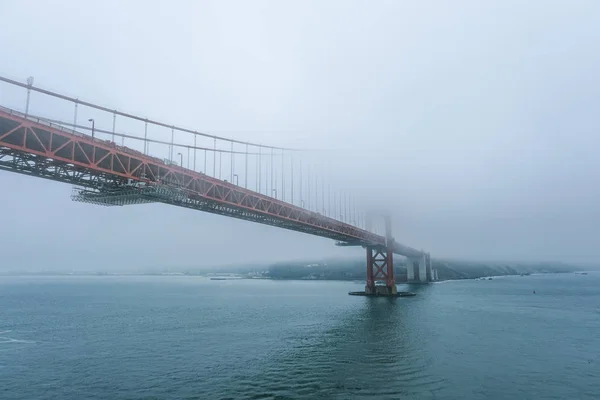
[56,143]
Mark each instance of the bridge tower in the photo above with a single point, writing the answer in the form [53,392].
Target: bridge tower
[380,266]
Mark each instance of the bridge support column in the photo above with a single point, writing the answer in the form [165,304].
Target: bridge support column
[410,270]
[380,267]
[420,270]
[429,268]
[423,269]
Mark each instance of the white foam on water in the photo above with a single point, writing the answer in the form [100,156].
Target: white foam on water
[6,339]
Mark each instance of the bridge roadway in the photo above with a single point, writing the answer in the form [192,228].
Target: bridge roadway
[110,174]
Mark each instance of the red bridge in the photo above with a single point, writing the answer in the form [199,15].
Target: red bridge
[108,174]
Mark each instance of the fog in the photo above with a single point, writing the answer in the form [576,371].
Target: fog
[474,124]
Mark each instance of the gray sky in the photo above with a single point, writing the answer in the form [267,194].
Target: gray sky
[475,123]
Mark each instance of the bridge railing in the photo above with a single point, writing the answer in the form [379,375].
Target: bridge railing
[155,171]
[41,121]
[285,174]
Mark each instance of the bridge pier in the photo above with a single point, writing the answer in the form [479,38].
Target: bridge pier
[410,270]
[428,268]
[380,267]
[420,270]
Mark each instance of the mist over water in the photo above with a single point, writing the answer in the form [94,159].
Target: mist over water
[474,124]
[192,338]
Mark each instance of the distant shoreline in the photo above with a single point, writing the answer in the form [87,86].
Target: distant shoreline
[242,277]
[329,270]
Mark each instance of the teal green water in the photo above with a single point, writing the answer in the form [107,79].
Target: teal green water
[192,338]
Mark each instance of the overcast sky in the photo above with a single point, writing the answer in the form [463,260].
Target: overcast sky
[475,123]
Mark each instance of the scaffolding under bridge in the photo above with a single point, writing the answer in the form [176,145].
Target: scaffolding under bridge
[129,195]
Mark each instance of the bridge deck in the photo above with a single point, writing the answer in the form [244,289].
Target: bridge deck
[35,147]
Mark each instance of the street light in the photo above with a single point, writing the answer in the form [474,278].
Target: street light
[29,85]
[302,203]
[181,159]
[237,179]
[93,126]
[275,191]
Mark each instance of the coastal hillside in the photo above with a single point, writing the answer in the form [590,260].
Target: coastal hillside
[470,270]
[355,269]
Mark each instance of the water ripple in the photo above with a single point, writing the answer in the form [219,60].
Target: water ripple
[139,338]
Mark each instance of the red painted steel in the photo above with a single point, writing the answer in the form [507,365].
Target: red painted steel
[370,277]
[380,266]
[76,151]
[390,267]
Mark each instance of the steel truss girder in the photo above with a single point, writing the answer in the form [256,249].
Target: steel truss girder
[36,148]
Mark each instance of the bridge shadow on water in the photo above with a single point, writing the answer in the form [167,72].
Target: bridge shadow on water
[374,351]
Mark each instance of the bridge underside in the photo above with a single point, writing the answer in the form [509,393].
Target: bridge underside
[116,175]
[107,190]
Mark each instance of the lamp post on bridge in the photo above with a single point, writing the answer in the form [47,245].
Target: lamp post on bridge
[93,127]
[93,147]
[180,159]
[237,179]
[29,85]
[275,191]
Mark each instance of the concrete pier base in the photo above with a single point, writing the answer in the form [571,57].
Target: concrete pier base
[384,292]
[381,290]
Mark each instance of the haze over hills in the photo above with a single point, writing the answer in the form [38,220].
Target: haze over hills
[328,269]
[447,269]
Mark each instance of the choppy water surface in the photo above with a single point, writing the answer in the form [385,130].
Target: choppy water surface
[192,338]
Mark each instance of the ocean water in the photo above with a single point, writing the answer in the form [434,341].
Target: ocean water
[192,338]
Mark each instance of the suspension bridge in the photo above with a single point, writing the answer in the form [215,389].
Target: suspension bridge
[149,168]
